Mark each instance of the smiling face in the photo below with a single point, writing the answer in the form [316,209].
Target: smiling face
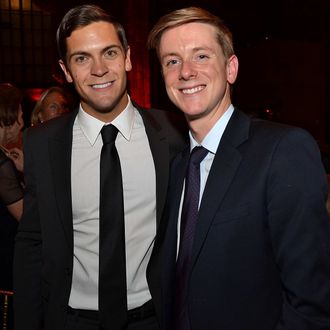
[97,66]
[197,76]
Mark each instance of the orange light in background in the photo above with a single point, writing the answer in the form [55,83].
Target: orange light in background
[17,5]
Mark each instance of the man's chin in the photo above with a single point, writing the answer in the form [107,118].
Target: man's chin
[99,108]
[104,110]
[193,116]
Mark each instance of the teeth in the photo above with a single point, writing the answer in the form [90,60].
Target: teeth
[102,85]
[192,90]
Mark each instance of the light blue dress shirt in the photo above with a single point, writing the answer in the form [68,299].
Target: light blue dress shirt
[211,143]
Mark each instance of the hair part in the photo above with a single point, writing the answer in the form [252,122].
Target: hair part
[191,15]
[82,16]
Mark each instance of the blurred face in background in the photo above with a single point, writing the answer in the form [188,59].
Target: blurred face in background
[54,105]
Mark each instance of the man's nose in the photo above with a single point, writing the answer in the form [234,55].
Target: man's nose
[99,68]
[187,70]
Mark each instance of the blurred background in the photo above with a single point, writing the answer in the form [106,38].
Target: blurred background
[283,47]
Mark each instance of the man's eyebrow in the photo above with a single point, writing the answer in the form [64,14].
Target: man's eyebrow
[78,53]
[110,47]
[169,54]
[194,50]
[84,53]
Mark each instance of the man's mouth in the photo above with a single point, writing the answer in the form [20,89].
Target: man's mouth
[192,90]
[100,86]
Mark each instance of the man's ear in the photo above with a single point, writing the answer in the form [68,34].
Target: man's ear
[128,63]
[232,69]
[66,71]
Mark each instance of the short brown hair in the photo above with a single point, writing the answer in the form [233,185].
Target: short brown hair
[191,15]
[81,16]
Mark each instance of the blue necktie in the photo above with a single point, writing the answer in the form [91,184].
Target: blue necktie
[189,216]
[112,267]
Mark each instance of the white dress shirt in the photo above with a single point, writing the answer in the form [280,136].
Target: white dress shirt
[139,189]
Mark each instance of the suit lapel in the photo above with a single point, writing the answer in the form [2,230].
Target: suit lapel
[222,172]
[178,175]
[160,153]
[178,172]
[60,148]
[225,164]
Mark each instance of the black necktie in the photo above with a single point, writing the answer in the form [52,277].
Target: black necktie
[187,232]
[112,267]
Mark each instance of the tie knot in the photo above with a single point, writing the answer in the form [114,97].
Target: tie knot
[198,154]
[109,133]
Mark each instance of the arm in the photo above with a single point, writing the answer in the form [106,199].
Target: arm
[27,258]
[16,209]
[300,232]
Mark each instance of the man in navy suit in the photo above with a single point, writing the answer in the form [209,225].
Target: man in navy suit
[259,255]
[56,275]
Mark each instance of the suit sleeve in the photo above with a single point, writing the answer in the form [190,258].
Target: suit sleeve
[300,232]
[27,259]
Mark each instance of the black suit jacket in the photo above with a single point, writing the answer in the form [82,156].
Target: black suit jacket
[44,244]
[261,253]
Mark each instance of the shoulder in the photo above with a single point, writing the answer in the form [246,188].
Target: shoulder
[167,125]
[262,137]
[270,130]
[286,145]
[166,120]
[279,132]
[51,128]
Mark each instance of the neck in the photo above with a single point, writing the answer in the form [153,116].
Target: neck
[201,126]
[107,115]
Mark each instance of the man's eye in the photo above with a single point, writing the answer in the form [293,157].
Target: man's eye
[111,53]
[202,57]
[80,59]
[171,62]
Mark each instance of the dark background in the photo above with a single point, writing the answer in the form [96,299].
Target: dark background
[283,48]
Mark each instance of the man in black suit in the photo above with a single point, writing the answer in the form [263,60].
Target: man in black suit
[57,249]
[255,255]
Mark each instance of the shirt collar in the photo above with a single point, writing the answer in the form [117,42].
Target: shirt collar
[92,126]
[212,139]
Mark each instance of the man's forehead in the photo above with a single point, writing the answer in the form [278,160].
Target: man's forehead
[202,33]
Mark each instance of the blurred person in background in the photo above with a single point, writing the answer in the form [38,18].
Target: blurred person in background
[53,102]
[11,188]
[11,124]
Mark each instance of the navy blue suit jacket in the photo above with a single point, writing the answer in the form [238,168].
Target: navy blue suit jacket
[261,253]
